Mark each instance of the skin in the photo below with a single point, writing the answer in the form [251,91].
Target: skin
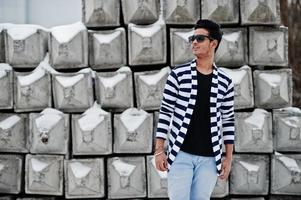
[204,52]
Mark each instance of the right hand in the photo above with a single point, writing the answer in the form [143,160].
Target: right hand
[161,162]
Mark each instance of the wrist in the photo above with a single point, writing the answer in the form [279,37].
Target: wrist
[159,148]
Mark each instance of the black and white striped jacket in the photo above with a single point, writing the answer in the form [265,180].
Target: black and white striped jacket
[179,98]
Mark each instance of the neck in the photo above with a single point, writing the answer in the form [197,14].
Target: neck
[205,65]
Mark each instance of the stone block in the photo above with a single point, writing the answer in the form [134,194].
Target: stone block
[73,92]
[44,174]
[181,11]
[157,180]
[32,90]
[249,198]
[133,131]
[287,129]
[260,12]
[68,46]
[92,132]
[10,173]
[147,44]
[254,131]
[243,86]
[115,89]
[49,132]
[282,197]
[25,45]
[273,88]
[250,174]
[221,189]
[126,177]
[36,198]
[107,49]
[149,86]
[6,86]
[221,11]
[14,133]
[101,13]
[286,174]
[232,50]
[268,46]
[2,46]
[140,12]
[84,178]
[180,48]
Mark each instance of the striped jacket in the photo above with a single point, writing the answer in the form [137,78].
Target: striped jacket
[177,105]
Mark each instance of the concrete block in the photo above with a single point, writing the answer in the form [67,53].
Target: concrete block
[73,92]
[232,50]
[181,11]
[68,46]
[25,45]
[32,90]
[254,131]
[107,49]
[282,197]
[6,198]
[126,177]
[14,133]
[6,86]
[147,44]
[250,174]
[221,11]
[287,129]
[243,86]
[49,132]
[180,51]
[133,131]
[249,198]
[157,180]
[286,174]
[84,178]
[101,13]
[260,12]
[221,189]
[2,45]
[268,46]
[273,88]
[149,86]
[37,198]
[92,132]
[140,12]
[115,89]
[10,173]
[44,174]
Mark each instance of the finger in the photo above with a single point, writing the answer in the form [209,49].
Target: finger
[162,165]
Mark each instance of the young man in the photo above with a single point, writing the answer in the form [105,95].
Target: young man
[196,116]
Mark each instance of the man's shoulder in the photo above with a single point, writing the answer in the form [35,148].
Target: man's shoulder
[182,67]
[224,75]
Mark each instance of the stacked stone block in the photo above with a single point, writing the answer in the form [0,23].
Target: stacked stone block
[79,122]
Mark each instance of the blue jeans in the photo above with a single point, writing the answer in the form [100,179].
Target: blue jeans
[191,177]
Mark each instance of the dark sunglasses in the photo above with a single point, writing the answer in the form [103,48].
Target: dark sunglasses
[198,38]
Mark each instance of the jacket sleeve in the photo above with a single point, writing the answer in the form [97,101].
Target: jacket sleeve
[170,94]
[227,111]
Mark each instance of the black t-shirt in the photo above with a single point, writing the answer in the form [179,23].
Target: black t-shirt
[198,137]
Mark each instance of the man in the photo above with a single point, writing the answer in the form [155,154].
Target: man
[196,116]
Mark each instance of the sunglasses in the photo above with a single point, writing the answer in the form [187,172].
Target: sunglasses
[198,38]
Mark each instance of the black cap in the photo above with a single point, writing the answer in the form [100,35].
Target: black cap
[212,27]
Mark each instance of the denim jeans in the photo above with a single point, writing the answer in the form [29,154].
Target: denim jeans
[191,177]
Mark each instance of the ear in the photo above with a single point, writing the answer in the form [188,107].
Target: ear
[214,44]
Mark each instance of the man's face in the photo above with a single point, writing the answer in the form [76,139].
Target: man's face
[201,48]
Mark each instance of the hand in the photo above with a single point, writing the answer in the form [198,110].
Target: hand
[161,162]
[226,167]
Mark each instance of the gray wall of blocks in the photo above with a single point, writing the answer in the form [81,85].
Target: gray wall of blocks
[79,103]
